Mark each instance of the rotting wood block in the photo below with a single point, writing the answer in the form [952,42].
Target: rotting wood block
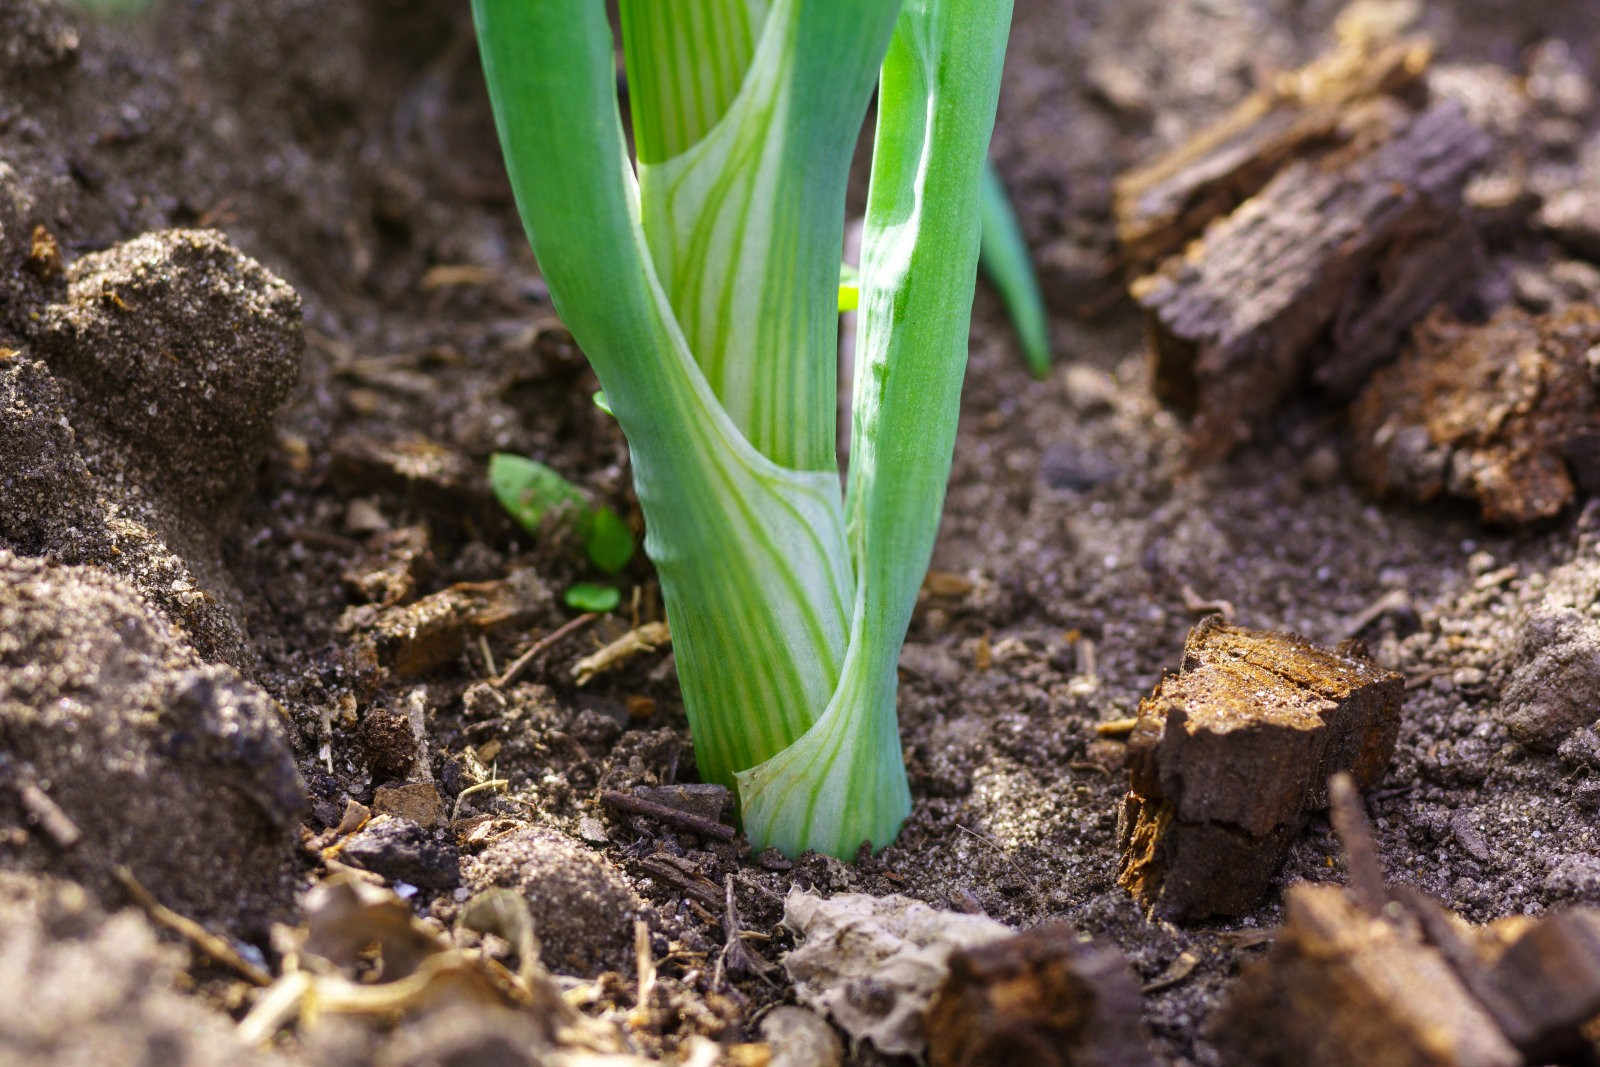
[1301,236]
[1233,752]
[1386,975]
[1045,997]
[1342,987]
[1503,414]
[418,637]
[1160,207]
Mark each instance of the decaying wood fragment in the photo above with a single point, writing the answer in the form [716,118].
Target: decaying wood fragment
[1233,752]
[1300,236]
[1340,986]
[1164,204]
[441,480]
[1503,414]
[1043,997]
[420,636]
[1387,976]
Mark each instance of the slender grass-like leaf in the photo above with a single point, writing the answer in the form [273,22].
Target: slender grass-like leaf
[1005,259]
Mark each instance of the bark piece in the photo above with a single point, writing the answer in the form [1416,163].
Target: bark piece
[1162,205]
[1546,984]
[414,639]
[1342,987]
[1230,755]
[1301,235]
[1387,975]
[1044,997]
[1503,414]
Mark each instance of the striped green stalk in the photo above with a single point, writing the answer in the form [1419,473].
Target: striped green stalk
[703,285]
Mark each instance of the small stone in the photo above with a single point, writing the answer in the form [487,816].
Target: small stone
[1557,81]
[416,801]
[1070,467]
[1463,824]
[1555,687]
[402,851]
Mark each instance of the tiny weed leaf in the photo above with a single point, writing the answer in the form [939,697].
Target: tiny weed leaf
[589,596]
[533,494]
[529,490]
[608,540]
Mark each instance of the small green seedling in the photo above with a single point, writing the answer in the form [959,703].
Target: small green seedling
[701,278]
[539,498]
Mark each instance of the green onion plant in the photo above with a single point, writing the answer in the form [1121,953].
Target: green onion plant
[701,278]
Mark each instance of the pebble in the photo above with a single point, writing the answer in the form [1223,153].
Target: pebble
[402,851]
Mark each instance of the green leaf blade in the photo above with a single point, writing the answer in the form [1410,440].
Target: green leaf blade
[745,224]
[936,106]
[1004,257]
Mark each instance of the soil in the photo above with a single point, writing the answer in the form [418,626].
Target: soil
[198,559]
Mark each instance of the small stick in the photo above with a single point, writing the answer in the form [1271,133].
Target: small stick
[992,843]
[56,824]
[1349,818]
[620,801]
[1195,604]
[492,783]
[735,957]
[644,964]
[1116,727]
[185,927]
[697,890]
[542,645]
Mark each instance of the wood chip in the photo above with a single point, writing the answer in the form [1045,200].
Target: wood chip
[1503,414]
[1340,987]
[1230,756]
[414,639]
[1044,989]
[417,801]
